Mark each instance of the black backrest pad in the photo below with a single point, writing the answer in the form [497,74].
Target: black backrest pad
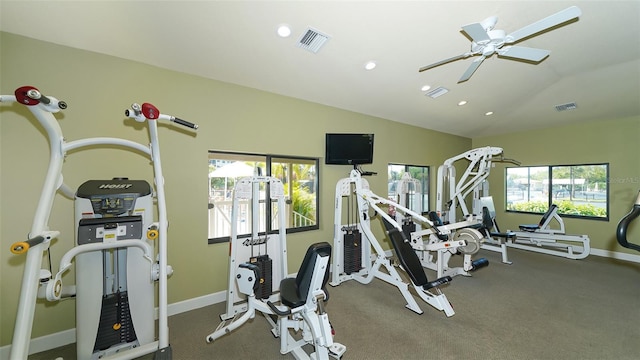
[547,214]
[487,221]
[305,273]
[407,256]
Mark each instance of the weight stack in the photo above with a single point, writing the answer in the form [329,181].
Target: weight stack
[265,285]
[115,325]
[352,251]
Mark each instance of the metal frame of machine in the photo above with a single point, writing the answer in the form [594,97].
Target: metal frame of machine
[544,239]
[438,261]
[39,283]
[353,257]
[256,285]
[473,181]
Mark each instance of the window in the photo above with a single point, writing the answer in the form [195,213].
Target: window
[577,190]
[299,177]
[414,199]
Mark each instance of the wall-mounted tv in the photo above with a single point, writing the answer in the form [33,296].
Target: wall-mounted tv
[349,149]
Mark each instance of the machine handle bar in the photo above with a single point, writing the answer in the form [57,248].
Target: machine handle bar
[21,247]
[184,123]
[621,232]
[29,95]
[149,112]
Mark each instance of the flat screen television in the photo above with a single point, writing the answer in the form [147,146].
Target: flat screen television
[348,149]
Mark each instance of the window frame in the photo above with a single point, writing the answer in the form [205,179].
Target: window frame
[549,189]
[268,160]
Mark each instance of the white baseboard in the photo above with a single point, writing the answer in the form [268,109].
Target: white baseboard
[66,337]
[616,255]
[196,303]
[44,343]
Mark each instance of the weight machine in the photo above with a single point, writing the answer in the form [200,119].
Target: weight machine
[408,195]
[543,238]
[114,251]
[353,257]
[473,181]
[540,238]
[256,285]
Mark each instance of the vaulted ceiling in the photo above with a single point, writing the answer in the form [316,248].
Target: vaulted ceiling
[594,61]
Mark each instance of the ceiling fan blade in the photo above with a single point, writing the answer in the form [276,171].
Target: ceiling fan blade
[444,62]
[477,32]
[544,24]
[471,69]
[524,53]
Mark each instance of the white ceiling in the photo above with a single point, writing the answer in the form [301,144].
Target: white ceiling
[594,62]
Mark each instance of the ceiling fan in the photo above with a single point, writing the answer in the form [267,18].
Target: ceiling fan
[487,41]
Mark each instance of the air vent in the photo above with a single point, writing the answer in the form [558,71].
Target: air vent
[312,40]
[567,106]
[439,91]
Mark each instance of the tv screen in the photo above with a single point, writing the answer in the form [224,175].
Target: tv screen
[349,149]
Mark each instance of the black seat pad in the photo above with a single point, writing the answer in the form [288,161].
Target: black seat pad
[294,291]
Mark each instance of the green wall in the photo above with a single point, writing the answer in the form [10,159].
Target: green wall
[608,141]
[98,88]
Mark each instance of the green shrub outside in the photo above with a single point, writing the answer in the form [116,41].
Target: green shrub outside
[564,207]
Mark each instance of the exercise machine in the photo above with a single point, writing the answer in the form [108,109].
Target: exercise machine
[452,194]
[540,238]
[544,238]
[290,305]
[407,194]
[120,252]
[353,256]
[621,230]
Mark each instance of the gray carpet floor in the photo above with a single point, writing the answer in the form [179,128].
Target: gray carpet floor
[540,307]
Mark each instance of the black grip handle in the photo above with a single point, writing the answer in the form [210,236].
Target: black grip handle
[185,123]
[22,246]
[621,232]
[279,312]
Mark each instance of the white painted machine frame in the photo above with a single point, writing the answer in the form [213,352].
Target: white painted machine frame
[437,260]
[242,248]
[242,303]
[552,241]
[473,181]
[358,187]
[40,236]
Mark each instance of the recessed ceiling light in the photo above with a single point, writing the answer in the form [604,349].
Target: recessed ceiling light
[463,102]
[489,113]
[425,88]
[284,30]
[370,65]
